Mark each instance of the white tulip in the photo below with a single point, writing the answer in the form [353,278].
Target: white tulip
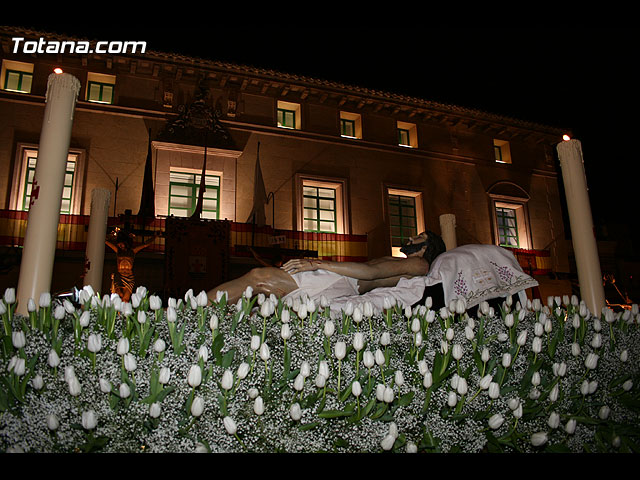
[368,309]
[18,339]
[45,300]
[591,362]
[142,317]
[486,381]
[197,406]
[253,393]
[295,412]
[74,387]
[323,369]
[554,420]
[380,358]
[124,390]
[348,309]
[59,312]
[452,399]
[298,383]
[387,442]
[329,328]
[243,370]
[155,302]
[388,395]
[624,356]
[485,355]
[538,439]
[399,378]
[462,386]
[385,339]
[255,342]
[164,375]
[522,338]
[496,421]
[506,360]
[172,315]
[340,350]
[449,334]
[357,314]
[130,363]
[423,367]
[555,392]
[89,420]
[415,325]
[368,359]
[535,379]
[265,353]
[154,410]
[494,390]
[604,411]
[105,385]
[456,351]
[380,388]
[202,300]
[258,406]
[411,447]
[321,381]
[570,427]
[628,385]
[358,341]
[195,376]
[356,389]
[37,382]
[94,343]
[508,320]
[227,380]
[52,422]
[84,319]
[575,349]
[427,379]
[468,333]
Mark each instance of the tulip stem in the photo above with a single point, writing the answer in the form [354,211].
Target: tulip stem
[339,365]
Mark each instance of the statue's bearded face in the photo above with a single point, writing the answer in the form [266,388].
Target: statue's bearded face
[415,246]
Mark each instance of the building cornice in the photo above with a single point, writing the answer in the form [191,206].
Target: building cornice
[285,84]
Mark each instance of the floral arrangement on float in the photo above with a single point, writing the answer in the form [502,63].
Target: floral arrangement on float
[263,375]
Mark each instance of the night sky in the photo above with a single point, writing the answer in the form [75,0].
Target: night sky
[579,79]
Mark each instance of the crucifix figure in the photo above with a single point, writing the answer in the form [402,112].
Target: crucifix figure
[122,282]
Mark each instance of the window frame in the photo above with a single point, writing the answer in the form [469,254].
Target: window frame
[412,134]
[20,179]
[503,147]
[355,120]
[12,66]
[520,206]
[418,209]
[21,75]
[195,186]
[341,200]
[288,107]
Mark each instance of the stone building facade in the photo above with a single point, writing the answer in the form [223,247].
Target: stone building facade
[366,165]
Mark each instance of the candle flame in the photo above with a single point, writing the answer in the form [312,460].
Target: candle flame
[566,138]
[57,70]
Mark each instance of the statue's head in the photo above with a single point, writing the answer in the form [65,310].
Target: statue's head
[427,245]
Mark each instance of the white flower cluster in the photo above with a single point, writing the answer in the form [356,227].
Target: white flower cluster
[265,375]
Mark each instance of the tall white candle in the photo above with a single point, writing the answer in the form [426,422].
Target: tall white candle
[36,268]
[582,234]
[94,261]
[448,230]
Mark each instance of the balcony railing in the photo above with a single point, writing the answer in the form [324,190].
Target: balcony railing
[73,230]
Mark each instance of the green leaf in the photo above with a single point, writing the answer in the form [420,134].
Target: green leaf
[335,413]
[406,399]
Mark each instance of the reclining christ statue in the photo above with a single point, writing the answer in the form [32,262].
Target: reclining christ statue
[332,279]
[475,273]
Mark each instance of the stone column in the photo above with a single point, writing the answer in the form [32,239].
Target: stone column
[94,260]
[448,230]
[582,234]
[36,268]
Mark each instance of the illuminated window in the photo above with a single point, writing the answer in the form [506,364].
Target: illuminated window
[16,76]
[507,224]
[501,151]
[319,214]
[288,115]
[184,188]
[407,135]
[69,186]
[406,217]
[320,204]
[350,125]
[100,88]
